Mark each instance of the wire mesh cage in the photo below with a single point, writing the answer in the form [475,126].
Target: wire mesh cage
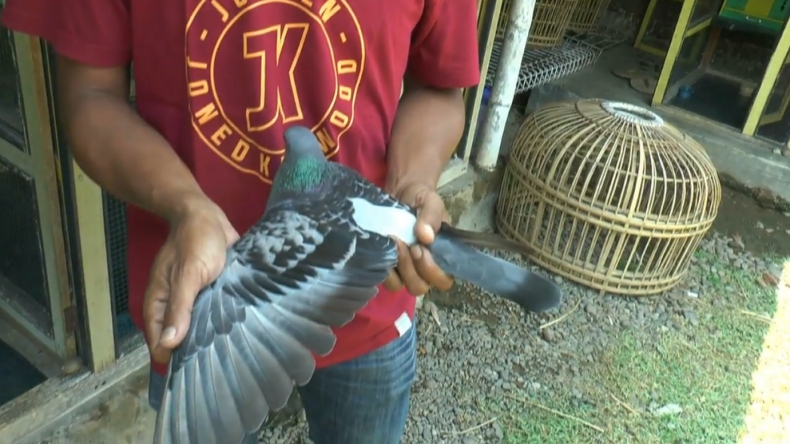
[549,22]
[23,277]
[127,337]
[587,15]
[543,65]
[608,195]
[115,235]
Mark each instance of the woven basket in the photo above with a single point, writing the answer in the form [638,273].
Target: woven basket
[549,22]
[587,15]
[608,195]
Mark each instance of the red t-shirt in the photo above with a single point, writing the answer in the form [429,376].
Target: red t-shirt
[219,79]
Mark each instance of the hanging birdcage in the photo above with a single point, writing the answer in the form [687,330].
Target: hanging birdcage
[609,195]
[549,22]
[587,15]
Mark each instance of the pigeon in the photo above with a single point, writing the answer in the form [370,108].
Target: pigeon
[313,260]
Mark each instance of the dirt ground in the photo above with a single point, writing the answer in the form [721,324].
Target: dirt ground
[763,231]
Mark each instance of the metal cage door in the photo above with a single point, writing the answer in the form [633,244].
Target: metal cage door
[34,283]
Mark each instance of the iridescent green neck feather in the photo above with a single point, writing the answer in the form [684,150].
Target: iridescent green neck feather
[303,175]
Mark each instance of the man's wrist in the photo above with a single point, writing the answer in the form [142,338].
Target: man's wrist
[184,203]
[396,184]
[427,129]
[423,168]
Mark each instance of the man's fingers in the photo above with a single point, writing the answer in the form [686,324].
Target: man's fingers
[154,299]
[161,354]
[393,282]
[430,272]
[416,266]
[185,286]
[154,306]
[429,218]
[408,274]
[429,221]
[425,234]
[153,333]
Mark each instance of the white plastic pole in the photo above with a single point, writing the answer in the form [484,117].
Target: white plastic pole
[505,82]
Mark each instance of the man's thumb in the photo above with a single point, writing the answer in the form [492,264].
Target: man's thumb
[178,314]
[429,218]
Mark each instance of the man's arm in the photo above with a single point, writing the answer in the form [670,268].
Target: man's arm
[128,158]
[429,123]
[115,147]
[111,143]
[428,126]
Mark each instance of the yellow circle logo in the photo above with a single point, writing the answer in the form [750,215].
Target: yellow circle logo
[255,66]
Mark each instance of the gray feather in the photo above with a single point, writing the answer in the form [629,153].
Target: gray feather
[305,268]
[531,291]
[254,331]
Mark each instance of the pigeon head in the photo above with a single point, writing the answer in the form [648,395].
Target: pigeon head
[301,143]
[304,167]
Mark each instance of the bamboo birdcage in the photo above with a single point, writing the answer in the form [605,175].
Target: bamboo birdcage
[549,22]
[608,195]
[587,15]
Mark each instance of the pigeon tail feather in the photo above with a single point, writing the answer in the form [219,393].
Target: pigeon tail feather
[531,291]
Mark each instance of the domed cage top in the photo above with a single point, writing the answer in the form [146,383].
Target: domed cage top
[608,194]
[587,15]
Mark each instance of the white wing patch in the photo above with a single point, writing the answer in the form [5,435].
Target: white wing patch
[385,221]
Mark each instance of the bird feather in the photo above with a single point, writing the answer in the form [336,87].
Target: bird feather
[312,261]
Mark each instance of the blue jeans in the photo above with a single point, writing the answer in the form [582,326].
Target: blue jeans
[362,401]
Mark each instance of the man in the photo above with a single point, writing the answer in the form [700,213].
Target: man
[217,82]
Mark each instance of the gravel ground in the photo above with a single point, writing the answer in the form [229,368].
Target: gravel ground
[474,349]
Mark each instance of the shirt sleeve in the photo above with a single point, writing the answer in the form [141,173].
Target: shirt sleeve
[444,51]
[93,32]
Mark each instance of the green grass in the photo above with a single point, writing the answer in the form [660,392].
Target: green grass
[705,368]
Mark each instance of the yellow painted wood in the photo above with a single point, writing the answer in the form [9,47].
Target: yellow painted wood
[642,46]
[652,50]
[775,65]
[674,49]
[758,8]
[651,7]
[487,41]
[777,115]
[741,12]
[93,246]
[699,27]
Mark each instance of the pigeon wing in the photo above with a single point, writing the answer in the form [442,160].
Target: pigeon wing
[253,330]
[355,185]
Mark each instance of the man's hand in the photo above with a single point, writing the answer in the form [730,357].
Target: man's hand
[192,257]
[416,268]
